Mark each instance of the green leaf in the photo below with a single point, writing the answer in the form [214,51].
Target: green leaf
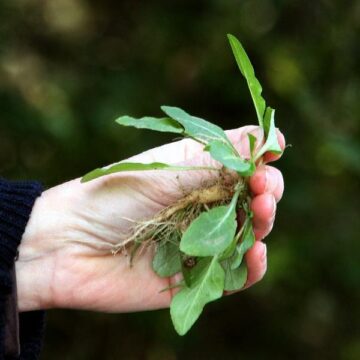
[235,279]
[128,166]
[212,231]
[248,72]
[252,142]
[195,127]
[189,273]
[188,304]
[247,241]
[151,123]
[167,259]
[271,143]
[225,154]
[230,250]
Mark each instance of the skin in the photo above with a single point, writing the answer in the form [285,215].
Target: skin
[64,257]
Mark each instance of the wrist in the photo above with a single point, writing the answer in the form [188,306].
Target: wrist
[44,252]
[33,279]
[34,265]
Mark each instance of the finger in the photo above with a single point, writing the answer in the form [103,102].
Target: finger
[241,139]
[264,208]
[242,143]
[269,157]
[256,262]
[187,149]
[173,282]
[172,153]
[183,153]
[267,179]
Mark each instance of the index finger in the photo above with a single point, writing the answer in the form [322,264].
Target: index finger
[269,156]
[242,144]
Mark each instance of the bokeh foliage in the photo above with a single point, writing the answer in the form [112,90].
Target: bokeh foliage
[69,67]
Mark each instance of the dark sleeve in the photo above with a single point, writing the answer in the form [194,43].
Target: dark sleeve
[16,202]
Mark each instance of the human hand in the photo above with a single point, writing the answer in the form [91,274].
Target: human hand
[65,258]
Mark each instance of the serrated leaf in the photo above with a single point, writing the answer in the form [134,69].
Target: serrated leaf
[212,231]
[196,127]
[271,143]
[129,166]
[247,241]
[167,259]
[151,123]
[225,154]
[235,279]
[188,304]
[248,72]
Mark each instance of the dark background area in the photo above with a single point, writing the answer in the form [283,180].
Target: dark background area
[68,68]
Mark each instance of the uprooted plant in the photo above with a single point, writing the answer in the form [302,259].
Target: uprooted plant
[198,235]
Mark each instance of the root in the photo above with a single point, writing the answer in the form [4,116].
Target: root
[170,223]
[205,196]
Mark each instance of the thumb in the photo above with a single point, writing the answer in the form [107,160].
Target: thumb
[187,149]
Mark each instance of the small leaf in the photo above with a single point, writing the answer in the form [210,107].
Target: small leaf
[225,154]
[212,231]
[134,251]
[151,123]
[167,259]
[247,70]
[195,127]
[247,241]
[173,286]
[252,142]
[271,143]
[235,279]
[127,166]
[188,304]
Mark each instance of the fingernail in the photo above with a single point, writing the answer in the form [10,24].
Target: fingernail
[266,179]
[271,180]
[274,208]
[263,258]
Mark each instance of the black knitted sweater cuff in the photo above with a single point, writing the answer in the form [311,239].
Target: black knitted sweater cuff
[16,202]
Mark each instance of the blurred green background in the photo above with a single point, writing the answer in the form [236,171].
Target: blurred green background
[68,68]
